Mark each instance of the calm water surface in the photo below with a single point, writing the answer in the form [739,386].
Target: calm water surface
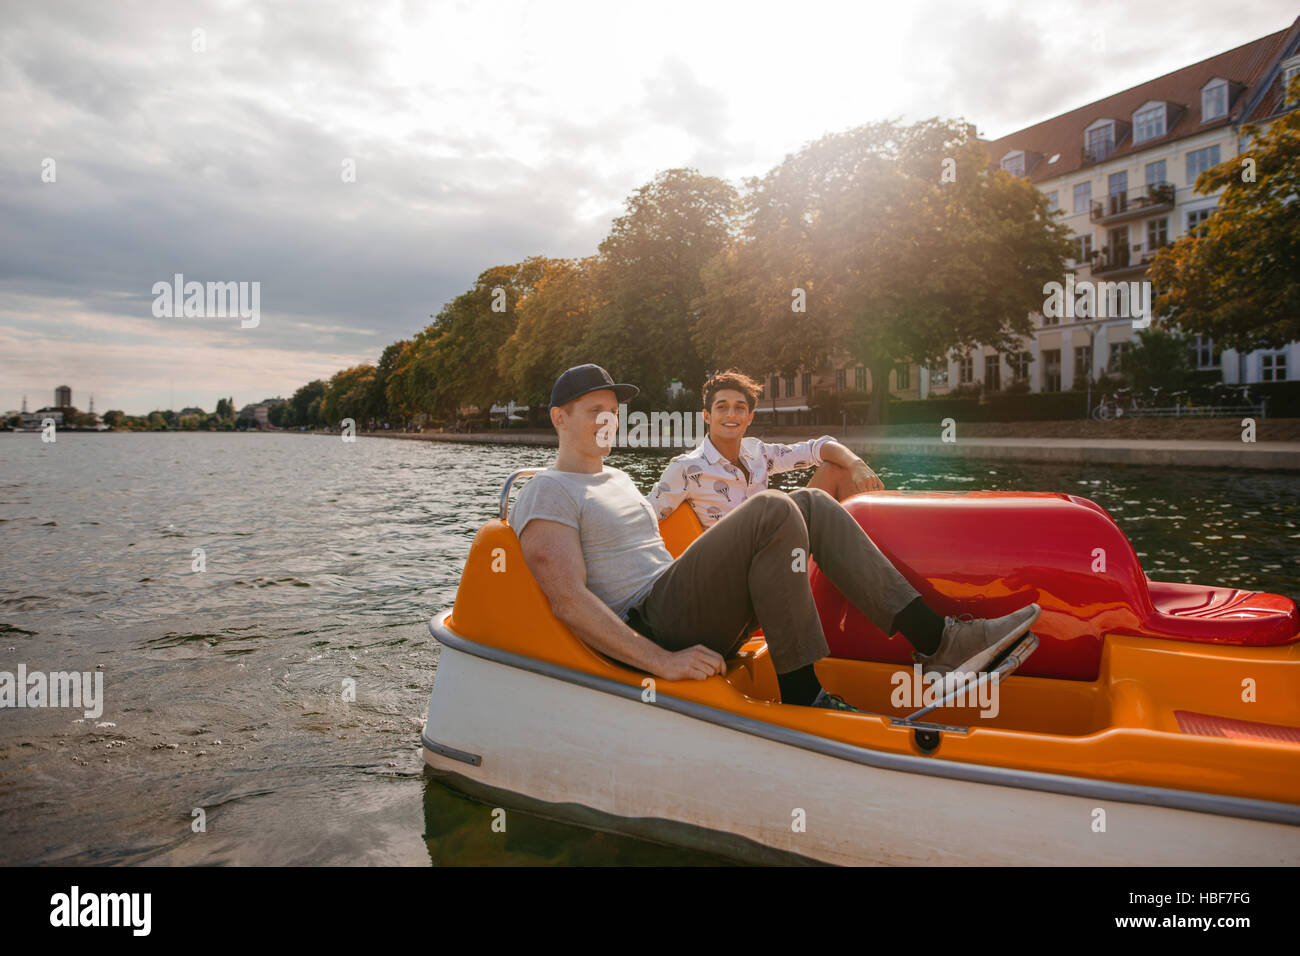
[323,562]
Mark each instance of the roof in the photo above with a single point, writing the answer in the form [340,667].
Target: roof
[1256,94]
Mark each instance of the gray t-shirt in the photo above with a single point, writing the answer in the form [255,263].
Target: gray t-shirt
[620,535]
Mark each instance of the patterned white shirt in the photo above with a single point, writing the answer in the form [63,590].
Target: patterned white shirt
[713,485]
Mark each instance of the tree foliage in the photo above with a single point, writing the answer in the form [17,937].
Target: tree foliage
[1234,278]
[894,262]
[553,320]
[649,275]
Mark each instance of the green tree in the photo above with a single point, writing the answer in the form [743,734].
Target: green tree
[457,355]
[226,409]
[649,274]
[1161,358]
[548,338]
[300,406]
[388,364]
[895,261]
[349,395]
[1235,277]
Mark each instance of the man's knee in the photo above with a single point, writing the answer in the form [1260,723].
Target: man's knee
[775,509]
[807,499]
[775,502]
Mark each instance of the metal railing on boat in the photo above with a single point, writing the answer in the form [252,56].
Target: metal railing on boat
[505,492]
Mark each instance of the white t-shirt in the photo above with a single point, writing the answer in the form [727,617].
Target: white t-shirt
[620,535]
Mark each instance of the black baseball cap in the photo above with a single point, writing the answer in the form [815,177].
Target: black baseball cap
[582,379]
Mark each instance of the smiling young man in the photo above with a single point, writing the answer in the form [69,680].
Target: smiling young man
[591,541]
[727,468]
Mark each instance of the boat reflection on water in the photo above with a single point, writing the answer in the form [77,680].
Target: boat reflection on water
[459,831]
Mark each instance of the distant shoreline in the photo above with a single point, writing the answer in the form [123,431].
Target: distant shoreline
[1023,445]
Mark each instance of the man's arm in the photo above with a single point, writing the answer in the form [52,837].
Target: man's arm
[553,552]
[864,479]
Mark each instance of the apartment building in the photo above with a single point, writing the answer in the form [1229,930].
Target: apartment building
[789,399]
[1123,172]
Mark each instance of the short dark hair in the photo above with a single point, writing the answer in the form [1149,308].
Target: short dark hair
[734,379]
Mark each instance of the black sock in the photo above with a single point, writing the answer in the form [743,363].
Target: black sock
[799,687]
[921,626]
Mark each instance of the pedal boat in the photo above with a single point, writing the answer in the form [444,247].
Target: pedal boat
[1156,724]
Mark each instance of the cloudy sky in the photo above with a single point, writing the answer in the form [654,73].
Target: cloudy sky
[214,140]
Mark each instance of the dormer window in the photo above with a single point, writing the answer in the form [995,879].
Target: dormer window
[1214,100]
[1289,69]
[1099,140]
[1014,162]
[1149,122]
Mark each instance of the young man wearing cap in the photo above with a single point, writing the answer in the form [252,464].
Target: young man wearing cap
[592,542]
[726,467]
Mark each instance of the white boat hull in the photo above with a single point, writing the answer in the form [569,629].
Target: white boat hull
[564,744]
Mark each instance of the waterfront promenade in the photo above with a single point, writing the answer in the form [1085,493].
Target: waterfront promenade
[1185,453]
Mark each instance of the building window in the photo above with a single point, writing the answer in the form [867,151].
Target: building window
[902,376]
[1115,361]
[1117,192]
[1214,101]
[806,382]
[1203,352]
[1051,370]
[1289,69]
[1053,202]
[1082,362]
[1156,172]
[1019,366]
[1272,367]
[1101,142]
[1149,123]
[1014,163]
[839,380]
[1083,248]
[1117,247]
[939,375]
[776,387]
[965,370]
[1199,160]
[789,386]
[993,372]
[1083,197]
[860,379]
[1196,218]
[1157,234]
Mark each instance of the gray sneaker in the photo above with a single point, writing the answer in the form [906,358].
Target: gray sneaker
[833,702]
[971,644]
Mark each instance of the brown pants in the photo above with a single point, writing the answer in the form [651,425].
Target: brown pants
[750,569]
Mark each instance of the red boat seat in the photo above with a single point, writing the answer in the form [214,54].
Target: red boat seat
[988,553]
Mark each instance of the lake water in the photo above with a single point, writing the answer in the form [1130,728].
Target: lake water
[225,737]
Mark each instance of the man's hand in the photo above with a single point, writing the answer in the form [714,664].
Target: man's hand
[694,663]
[863,478]
[553,553]
[860,474]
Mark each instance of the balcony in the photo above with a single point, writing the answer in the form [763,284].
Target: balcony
[1090,157]
[1116,261]
[1144,201]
